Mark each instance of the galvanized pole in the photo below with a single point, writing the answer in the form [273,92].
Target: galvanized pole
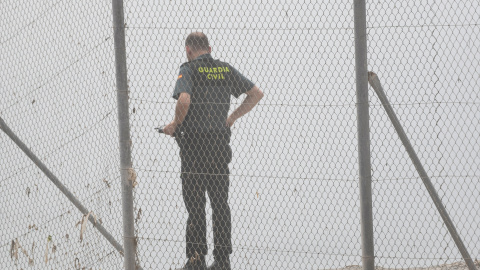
[368,259]
[377,86]
[59,185]
[127,174]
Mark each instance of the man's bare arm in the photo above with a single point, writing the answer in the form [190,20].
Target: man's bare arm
[254,95]
[181,110]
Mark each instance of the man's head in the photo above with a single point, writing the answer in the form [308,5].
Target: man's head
[196,44]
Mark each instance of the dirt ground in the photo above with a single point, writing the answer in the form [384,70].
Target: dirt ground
[453,266]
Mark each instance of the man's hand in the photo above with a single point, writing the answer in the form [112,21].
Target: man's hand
[181,110]
[170,128]
[254,95]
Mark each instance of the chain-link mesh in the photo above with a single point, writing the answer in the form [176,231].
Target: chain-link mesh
[292,182]
[58,97]
[293,190]
[426,54]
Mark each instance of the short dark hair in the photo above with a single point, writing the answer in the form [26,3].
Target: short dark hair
[197,41]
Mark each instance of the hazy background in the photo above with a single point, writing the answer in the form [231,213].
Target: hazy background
[294,184]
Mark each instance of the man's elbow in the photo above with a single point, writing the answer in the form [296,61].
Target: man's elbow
[260,94]
[256,93]
[184,99]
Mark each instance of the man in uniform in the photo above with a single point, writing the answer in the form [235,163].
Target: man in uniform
[201,127]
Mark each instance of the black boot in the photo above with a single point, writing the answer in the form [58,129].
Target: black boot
[220,264]
[196,263]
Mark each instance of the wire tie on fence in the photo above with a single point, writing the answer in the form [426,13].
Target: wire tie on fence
[132,176]
[369,257]
[49,239]
[84,222]
[106,182]
[30,261]
[139,214]
[77,263]
[14,252]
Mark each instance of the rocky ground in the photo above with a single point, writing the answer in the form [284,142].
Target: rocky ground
[453,266]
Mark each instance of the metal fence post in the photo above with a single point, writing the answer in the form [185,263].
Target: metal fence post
[74,200]
[127,174]
[368,260]
[376,85]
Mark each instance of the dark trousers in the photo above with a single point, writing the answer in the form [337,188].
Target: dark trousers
[205,158]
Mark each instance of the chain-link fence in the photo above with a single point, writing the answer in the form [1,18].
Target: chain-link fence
[293,181]
[426,55]
[293,178]
[57,96]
